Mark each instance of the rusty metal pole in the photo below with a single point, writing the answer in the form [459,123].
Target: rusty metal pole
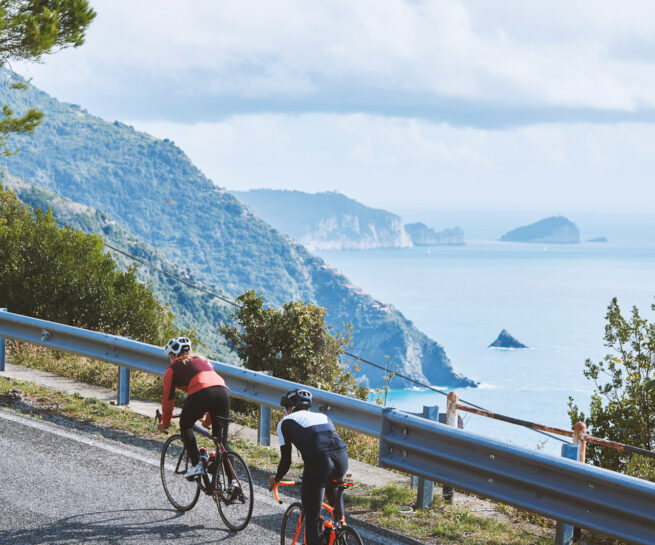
[447,492]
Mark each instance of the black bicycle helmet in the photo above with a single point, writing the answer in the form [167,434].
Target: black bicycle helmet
[297,399]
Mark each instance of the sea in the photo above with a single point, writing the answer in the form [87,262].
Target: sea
[551,297]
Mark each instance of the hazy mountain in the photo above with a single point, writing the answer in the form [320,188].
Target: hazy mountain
[422,235]
[554,230]
[152,189]
[326,221]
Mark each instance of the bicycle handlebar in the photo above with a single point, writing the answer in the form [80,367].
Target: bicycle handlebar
[282,483]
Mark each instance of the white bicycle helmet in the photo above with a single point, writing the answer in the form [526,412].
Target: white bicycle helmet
[177,346]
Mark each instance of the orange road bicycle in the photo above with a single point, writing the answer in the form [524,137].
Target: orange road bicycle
[333,532]
[226,478]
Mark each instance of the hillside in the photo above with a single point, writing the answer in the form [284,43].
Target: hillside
[149,187]
[192,309]
[326,221]
[554,230]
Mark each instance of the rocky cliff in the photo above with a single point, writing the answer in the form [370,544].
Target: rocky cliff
[422,235]
[326,221]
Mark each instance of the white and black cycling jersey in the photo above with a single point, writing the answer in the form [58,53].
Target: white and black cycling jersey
[311,433]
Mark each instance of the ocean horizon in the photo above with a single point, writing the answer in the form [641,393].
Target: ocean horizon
[553,298]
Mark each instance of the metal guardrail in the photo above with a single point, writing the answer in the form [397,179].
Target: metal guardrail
[586,496]
[250,385]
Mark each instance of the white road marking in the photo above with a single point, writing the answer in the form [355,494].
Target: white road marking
[56,430]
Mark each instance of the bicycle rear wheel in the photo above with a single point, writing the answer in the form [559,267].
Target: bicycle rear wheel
[235,503]
[174,462]
[293,526]
[348,536]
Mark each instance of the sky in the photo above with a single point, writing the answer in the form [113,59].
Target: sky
[404,105]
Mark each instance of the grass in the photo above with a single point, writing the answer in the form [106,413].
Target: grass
[441,523]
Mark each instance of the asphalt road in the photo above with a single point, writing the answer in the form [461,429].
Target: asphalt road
[61,486]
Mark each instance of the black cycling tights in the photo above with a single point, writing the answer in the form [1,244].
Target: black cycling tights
[317,481]
[216,401]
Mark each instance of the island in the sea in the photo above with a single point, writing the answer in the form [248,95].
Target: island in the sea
[553,230]
[597,239]
[422,235]
[505,340]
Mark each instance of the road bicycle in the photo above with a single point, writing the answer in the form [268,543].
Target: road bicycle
[333,532]
[226,478]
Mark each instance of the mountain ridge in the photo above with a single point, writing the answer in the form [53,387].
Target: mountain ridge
[150,187]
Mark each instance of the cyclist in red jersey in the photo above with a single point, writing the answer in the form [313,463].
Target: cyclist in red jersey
[207,395]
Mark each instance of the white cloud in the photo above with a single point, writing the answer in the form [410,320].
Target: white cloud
[407,162]
[557,54]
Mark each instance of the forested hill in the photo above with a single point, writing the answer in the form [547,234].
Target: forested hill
[326,221]
[192,309]
[150,187]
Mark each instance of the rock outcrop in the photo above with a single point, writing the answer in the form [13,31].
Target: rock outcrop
[422,235]
[505,340]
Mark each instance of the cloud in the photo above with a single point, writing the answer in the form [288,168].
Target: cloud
[378,56]
[395,162]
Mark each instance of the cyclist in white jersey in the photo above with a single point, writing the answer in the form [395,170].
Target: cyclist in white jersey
[323,453]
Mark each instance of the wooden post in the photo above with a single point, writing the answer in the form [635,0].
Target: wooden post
[447,492]
[579,433]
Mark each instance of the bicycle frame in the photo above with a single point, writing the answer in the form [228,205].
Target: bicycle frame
[207,485]
[330,523]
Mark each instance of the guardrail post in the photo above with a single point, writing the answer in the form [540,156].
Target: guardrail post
[123,385]
[425,488]
[564,532]
[264,423]
[452,418]
[2,347]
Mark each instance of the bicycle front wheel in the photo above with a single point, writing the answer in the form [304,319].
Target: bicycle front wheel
[174,462]
[235,503]
[348,536]
[293,526]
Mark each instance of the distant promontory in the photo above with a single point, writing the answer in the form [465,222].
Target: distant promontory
[553,230]
[327,220]
[422,235]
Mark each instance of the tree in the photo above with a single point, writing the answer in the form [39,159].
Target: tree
[293,343]
[623,404]
[30,29]
[64,276]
